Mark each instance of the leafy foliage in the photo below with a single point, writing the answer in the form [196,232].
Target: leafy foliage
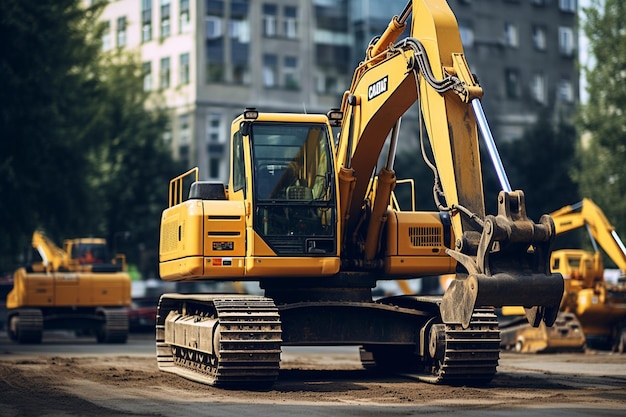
[80,155]
[541,164]
[133,163]
[602,120]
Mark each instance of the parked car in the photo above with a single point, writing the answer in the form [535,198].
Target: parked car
[142,314]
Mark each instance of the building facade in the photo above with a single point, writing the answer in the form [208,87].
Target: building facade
[212,58]
[525,55]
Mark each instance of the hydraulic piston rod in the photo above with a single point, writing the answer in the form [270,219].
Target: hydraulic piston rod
[481,120]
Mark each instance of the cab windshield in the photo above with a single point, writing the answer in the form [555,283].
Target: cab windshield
[294,203]
[291,161]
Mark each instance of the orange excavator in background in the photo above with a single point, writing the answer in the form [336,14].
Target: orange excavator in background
[311,220]
[76,288]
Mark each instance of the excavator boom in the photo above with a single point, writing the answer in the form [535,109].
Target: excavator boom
[587,214]
[504,257]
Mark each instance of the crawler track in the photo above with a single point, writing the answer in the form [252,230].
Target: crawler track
[247,350]
[28,323]
[114,329]
[471,355]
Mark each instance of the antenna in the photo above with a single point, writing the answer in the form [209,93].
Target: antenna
[304,107]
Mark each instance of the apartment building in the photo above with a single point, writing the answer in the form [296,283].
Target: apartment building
[525,55]
[212,58]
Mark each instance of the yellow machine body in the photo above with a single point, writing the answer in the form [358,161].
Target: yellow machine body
[310,214]
[78,287]
[68,289]
[565,335]
[599,305]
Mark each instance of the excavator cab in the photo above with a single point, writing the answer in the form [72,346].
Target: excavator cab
[92,254]
[294,200]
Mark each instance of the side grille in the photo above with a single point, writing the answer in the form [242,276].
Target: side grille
[425,236]
[169,237]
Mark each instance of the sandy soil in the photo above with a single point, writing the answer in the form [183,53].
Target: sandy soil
[126,385]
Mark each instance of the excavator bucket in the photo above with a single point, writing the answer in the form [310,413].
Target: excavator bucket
[510,266]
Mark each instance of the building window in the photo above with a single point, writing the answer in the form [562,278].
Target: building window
[184,68]
[565,91]
[214,128]
[146,69]
[290,71]
[165,18]
[539,37]
[106,36]
[214,72]
[511,37]
[215,43]
[239,40]
[538,88]
[239,30]
[567,5]
[270,70]
[326,84]
[566,41]
[214,167]
[213,26]
[290,22]
[184,131]
[183,154]
[121,31]
[269,20]
[184,18]
[165,73]
[146,20]
[241,74]
[512,80]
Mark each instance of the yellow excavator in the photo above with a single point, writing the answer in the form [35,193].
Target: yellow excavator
[77,288]
[593,311]
[310,219]
[599,305]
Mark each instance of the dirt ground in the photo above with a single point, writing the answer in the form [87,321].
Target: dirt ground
[133,385]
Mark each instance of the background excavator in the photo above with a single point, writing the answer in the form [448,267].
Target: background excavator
[592,309]
[76,288]
[308,217]
[599,305]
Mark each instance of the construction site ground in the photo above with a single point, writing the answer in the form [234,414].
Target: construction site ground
[70,376]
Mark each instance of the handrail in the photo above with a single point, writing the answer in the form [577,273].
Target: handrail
[176,187]
[394,200]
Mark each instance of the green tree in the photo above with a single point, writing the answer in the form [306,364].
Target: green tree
[48,85]
[541,164]
[602,120]
[134,163]
[81,152]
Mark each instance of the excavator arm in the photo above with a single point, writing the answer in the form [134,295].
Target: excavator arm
[587,214]
[53,257]
[502,259]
